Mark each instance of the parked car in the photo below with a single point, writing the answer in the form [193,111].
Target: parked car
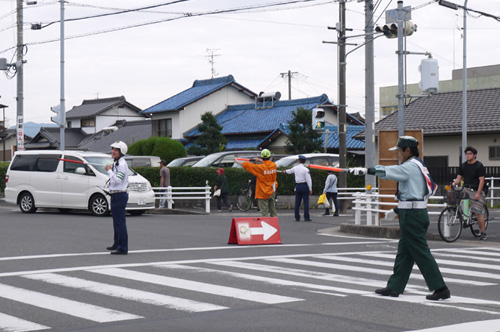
[325,159]
[225,159]
[186,161]
[69,180]
[274,157]
[142,161]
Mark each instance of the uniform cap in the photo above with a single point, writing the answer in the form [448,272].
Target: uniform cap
[405,142]
[302,157]
[265,153]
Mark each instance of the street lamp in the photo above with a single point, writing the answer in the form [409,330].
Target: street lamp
[454,6]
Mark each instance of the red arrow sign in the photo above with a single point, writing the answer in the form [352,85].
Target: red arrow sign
[259,230]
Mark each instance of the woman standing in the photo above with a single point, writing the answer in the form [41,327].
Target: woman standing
[331,193]
[221,183]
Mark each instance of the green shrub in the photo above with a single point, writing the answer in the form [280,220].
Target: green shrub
[163,147]
[3,170]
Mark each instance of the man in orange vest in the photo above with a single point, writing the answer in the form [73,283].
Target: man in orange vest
[265,189]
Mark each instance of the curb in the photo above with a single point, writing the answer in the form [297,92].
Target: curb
[389,232]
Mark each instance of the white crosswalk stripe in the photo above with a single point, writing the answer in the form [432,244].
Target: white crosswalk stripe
[259,279]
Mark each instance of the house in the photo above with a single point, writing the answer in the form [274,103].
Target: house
[95,114]
[264,123]
[48,139]
[8,143]
[440,118]
[178,114]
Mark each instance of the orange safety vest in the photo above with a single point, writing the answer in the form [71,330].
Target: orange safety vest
[266,178]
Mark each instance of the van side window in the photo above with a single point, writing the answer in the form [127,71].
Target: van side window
[141,162]
[24,163]
[72,163]
[47,163]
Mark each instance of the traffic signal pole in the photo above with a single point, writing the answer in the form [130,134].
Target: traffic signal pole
[370,94]
[342,98]
[401,115]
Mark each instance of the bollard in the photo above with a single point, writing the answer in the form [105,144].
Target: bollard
[169,197]
[357,205]
[207,198]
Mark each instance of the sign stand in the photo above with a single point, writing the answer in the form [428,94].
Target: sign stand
[255,230]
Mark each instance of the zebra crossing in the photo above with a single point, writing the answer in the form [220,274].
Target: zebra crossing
[212,285]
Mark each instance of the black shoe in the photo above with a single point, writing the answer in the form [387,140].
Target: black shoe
[326,213]
[297,219]
[111,248]
[118,252]
[442,295]
[386,292]
[307,220]
[336,215]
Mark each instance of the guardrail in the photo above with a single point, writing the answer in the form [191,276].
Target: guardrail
[491,195]
[178,193]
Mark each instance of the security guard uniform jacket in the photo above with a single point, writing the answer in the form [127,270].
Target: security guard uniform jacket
[266,178]
[118,176]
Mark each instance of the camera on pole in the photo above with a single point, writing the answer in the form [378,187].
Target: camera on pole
[318,119]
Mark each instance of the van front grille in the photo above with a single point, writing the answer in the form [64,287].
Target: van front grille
[138,187]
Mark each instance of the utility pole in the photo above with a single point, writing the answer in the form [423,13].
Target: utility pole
[289,75]
[401,114]
[370,94]
[20,83]
[464,87]
[63,100]
[342,96]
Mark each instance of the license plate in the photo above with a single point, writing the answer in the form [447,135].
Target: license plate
[141,202]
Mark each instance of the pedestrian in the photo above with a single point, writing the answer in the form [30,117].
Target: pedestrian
[303,187]
[266,185]
[331,193]
[164,180]
[414,187]
[221,183]
[118,183]
[473,173]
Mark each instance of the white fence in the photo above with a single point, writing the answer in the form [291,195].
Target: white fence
[170,194]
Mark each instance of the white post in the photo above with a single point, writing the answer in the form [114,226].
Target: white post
[357,205]
[368,212]
[446,229]
[169,197]
[207,198]
[491,192]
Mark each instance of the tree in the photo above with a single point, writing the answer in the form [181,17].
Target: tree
[163,147]
[302,138]
[211,139]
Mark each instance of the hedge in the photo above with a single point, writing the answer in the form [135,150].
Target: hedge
[3,170]
[237,178]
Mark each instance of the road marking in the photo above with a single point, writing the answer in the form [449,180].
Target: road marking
[467,256]
[372,271]
[483,326]
[198,286]
[14,324]
[171,302]
[267,280]
[65,306]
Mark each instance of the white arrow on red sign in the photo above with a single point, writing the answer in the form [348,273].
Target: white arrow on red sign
[266,230]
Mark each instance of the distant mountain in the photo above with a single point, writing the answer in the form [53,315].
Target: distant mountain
[32,128]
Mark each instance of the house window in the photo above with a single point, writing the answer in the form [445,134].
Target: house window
[165,128]
[88,122]
[494,152]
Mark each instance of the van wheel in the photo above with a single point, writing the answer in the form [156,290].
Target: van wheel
[27,203]
[99,206]
[136,212]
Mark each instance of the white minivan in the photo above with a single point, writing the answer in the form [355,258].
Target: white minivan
[69,180]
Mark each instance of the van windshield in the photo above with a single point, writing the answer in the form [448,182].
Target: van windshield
[100,162]
[208,160]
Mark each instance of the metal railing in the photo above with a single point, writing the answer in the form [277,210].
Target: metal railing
[170,194]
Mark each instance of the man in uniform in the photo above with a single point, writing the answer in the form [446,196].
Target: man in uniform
[118,183]
[303,187]
[265,188]
[413,189]
[473,173]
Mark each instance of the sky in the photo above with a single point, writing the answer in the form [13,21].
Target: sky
[150,55]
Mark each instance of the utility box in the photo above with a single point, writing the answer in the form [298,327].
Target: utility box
[429,75]
[3,64]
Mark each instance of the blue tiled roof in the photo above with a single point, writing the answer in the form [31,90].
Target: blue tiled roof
[200,89]
[351,131]
[246,118]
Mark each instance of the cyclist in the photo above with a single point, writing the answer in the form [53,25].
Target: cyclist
[265,189]
[473,173]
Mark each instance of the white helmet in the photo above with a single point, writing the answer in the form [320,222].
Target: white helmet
[120,146]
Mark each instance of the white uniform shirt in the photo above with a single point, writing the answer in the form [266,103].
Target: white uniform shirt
[302,175]
[118,175]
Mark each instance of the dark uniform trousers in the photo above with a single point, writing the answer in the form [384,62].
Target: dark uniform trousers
[413,248]
[118,204]
[302,194]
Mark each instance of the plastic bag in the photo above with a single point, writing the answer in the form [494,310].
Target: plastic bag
[322,199]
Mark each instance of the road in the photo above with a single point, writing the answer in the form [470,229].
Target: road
[180,275]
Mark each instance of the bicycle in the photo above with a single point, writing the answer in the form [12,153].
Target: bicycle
[244,200]
[453,218]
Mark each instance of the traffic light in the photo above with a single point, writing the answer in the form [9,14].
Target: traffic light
[318,119]
[57,118]
[391,30]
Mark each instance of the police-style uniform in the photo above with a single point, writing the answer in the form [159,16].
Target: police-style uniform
[118,176]
[303,185]
[413,223]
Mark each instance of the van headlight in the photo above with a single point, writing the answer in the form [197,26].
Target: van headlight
[149,186]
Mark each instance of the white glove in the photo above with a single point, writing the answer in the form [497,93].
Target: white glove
[390,215]
[358,170]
